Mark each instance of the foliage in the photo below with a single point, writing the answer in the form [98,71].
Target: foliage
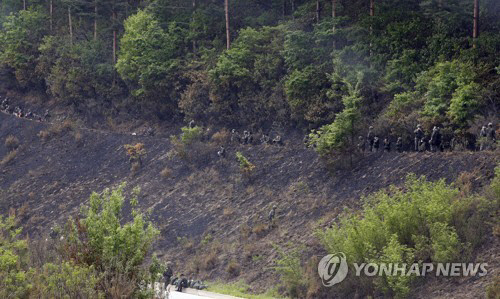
[11,143]
[337,137]
[170,59]
[245,165]
[20,37]
[190,135]
[149,57]
[117,251]
[248,73]
[14,272]
[429,221]
[288,266]
[75,72]
[65,280]
[135,152]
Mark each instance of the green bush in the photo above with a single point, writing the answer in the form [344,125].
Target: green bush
[190,135]
[337,137]
[430,221]
[117,251]
[14,271]
[288,266]
[65,280]
[20,38]
[245,165]
[150,58]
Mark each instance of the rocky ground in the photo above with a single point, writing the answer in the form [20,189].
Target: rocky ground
[213,217]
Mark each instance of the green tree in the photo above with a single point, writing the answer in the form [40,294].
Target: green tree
[337,138]
[117,251]
[20,38]
[149,59]
[14,271]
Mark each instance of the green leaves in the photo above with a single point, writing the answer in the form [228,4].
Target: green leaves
[111,247]
[149,56]
[429,221]
[20,37]
[334,138]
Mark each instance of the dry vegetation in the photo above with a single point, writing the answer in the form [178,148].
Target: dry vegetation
[166,172]
[58,129]
[9,157]
[11,143]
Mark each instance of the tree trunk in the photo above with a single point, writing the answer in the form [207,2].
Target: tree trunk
[318,10]
[114,37]
[70,26]
[228,35]
[475,31]
[192,20]
[284,9]
[372,14]
[24,4]
[51,12]
[95,20]
[334,15]
[292,7]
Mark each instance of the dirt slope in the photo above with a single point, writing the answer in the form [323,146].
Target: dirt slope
[209,213]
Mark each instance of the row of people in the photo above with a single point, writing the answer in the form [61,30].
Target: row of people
[422,142]
[19,112]
[247,138]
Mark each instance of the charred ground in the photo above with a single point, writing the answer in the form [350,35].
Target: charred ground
[212,217]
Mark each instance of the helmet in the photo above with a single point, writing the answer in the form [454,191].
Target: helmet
[490,125]
[371,127]
[274,207]
[419,126]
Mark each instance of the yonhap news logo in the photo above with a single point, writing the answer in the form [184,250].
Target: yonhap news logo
[333,268]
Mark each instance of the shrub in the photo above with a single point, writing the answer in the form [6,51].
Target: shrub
[14,273]
[245,165]
[233,268]
[221,137]
[337,137]
[493,289]
[9,157]
[210,260]
[57,129]
[117,251]
[430,221]
[135,153]
[288,266]
[259,229]
[189,135]
[166,172]
[11,143]
[65,280]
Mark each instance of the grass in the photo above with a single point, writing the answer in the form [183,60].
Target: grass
[11,143]
[9,157]
[241,289]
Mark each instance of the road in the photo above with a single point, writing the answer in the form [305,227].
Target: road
[192,294]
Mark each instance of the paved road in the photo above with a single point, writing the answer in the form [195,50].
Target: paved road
[192,294]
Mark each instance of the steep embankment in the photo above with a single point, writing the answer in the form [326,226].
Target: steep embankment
[210,215]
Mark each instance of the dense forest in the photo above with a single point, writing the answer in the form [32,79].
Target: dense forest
[253,62]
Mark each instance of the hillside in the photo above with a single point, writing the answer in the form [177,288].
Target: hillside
[209,213]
